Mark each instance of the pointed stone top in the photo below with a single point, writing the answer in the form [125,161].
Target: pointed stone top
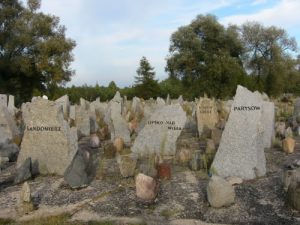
[63,98]
[168,101]
[117,97]
[25,195]
[180,99]
[160,101]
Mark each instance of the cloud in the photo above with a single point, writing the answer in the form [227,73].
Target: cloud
[259,2]
[112,36]
[284,14]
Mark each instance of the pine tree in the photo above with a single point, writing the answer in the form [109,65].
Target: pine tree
[145,84]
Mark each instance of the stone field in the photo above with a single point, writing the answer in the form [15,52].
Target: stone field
[151,161]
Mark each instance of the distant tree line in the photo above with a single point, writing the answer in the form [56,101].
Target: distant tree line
[204,57]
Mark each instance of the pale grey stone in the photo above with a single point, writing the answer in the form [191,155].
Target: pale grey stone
[265,97]
[180,100]
[9,150]
[65,103]
[127,165]
[72,112]
[23,172]
[160,102]
[8,127]
[207,114]
[168,100]
[241,151]
[268,120]
[78,175]
[120,129]
[3,100]
[161,131]
[51,151]
[93,119]
[82,121]
[25,195]
[137,107]
[83,103]
[11,104]
[117,97]
[116,123]
[219,192]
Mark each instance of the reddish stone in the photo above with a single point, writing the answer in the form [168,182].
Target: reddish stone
[164,171]
[146,187]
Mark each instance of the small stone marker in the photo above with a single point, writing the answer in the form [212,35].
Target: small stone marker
[146,187]
[25,204]
[119,144]
[219,192]
[164,171]
[127,165]
[94,141]
[293,194]
[207,114]
[288,145]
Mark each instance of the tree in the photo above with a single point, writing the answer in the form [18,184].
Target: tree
[206,57]
[268,56]
[35,55]
[145,84]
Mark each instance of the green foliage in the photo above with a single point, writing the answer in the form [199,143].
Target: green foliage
[35,55]
[206,57]
[145,84]
[54,220]
[268,58]
[171,86]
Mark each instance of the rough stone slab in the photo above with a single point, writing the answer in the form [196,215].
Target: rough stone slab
[72,112]
[3,100]
[268,120]
[51,151]
[8,127]
[65,103]
[160,102]
[241,151]
[161,131]
[207,114]
[82,121]
[11,104]
[116,123]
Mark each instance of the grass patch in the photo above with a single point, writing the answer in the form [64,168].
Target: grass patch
[54,220]
[6,221]
[167,213]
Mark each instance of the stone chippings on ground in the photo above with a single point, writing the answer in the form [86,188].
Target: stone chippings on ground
[258,201]
[180,200]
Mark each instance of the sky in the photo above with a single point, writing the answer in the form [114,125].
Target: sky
[113,35]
